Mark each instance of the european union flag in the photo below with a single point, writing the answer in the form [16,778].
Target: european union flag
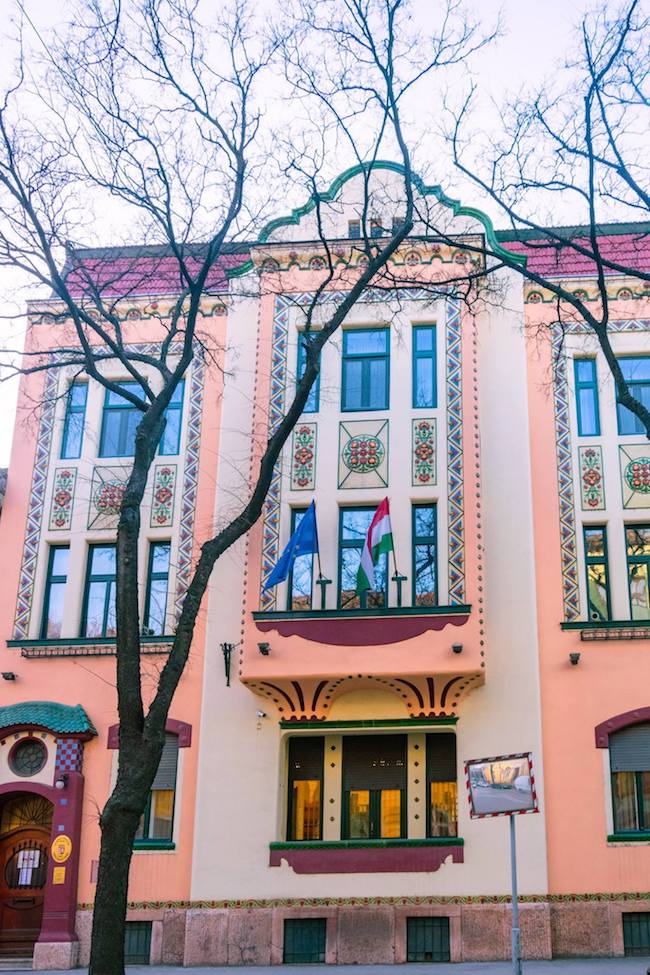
[304,541]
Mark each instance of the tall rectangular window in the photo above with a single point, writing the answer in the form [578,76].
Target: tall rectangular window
[156,825]
[425,574]
[374,787]
[299,590]
[587,397]
[424,366]
[73,428]
[170,442]
[55,583]
[98,616]
[376,227]
[353,528]
[312,404]
[354,229]
[366,369]
[636,372]
[629,758]
[304,811]
[442,785]
[596,571]
[155,607]
[638,566]
[120,420]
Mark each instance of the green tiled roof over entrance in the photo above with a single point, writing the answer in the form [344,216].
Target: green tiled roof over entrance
[61,718]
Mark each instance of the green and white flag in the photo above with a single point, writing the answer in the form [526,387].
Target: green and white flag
[378,540]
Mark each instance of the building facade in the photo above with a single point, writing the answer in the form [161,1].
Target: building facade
[313,807]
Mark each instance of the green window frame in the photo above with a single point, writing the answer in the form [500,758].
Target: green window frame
[120,421]
[306,756]
[365,384]
[304,941]
[427,939]
[586,391]
[637,542]
[313,400]
[170,442]
[599,607]
[300,582]
[424,553]
[55,585]
[352,538]
[629,757]
[636,933]
[636,372]
[99,592]
[156,827]
[137,942]
[374,776]
[354,229]
[442,784]
[75,418]
[155,604]
[425,393]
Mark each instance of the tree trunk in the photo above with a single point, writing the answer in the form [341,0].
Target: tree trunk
[118,823]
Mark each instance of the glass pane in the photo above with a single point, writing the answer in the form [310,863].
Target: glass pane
[162,814]
[171,438]
[352,373]
[355,523]
[423,339]
[130,421]
[628,422]
[638,540]
[645,799]
[55,611]
[305,819]
[585,370]
[425,575]
[157,607]
[594,542]
[114,399]
[73,436]
[425,521]
[587,412]
[359,817]
[110,434]
[597,591]
[350,558]
[639,601]
[365,342]
[423,382]
[635,369]
[111,622]
[78,393]
[377,398]
[59,565]
[301,582]
[625,813]
[103,561]
[160,557]
[443,797]
[390,826]
[177,395]
[95,608]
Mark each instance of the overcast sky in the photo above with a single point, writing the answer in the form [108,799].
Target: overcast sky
[537,39]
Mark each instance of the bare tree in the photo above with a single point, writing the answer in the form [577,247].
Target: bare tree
[146,106]
[579,144]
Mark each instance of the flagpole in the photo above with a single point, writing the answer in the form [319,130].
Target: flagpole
[398,578]
[321,581]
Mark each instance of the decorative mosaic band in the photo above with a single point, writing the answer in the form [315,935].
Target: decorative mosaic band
[455,499]
[190,481]
[363,454]
[63,488]
[162,495]
[423,452]
[303,457]
[69,755]
[106,494]
[592,484]
[635,474]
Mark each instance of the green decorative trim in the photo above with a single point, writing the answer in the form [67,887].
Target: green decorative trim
[461,609]
[84,641]
[324,726]
[59,718]
[605,624]
[153,845]
[366,844]
[628,838]
[329,195]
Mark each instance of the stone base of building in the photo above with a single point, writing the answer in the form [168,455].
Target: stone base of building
[55,955]
[376,934]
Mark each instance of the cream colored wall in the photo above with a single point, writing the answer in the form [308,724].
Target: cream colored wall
[240,795]
[46,774]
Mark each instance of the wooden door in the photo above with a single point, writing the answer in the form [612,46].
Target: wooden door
[23,872]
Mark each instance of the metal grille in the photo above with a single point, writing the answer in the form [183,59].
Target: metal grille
[427,939]
[636,933]
[304,941]
[137,942]
[27,866]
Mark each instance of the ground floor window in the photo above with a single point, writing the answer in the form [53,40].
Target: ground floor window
[636,933]
[157,823]
[137,942]
[304,941]
[305,788]
[442,785]
[374,787]
[427,939]
[629,756]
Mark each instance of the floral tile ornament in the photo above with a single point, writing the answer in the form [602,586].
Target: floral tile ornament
[303,457]
[162,495]
[635,474]
[63,485]
[423,452]
[592,485]
[106,493]
[363,454]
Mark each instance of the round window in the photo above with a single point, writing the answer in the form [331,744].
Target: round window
[28,757]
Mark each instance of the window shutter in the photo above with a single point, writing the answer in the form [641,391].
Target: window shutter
[166,774]
[629,749]
[441,757]
[306,758]
[374,762]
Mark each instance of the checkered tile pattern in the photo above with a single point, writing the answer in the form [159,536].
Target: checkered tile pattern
[69,755]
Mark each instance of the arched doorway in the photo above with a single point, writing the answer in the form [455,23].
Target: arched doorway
[25,828]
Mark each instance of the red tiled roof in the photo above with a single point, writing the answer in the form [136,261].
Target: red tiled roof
[553,260]
[116,275]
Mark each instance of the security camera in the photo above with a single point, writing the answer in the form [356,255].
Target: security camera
[457,647]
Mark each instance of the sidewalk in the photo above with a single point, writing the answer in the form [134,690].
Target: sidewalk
[573,966]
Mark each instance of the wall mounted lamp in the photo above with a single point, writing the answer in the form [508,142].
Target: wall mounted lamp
[264,649]
[61,782]
[457,647]
[8,675]
[227,649]
[575,659]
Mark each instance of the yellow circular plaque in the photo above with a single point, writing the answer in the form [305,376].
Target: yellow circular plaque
[61,848]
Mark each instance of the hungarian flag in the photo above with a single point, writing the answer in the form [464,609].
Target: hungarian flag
[378,540]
